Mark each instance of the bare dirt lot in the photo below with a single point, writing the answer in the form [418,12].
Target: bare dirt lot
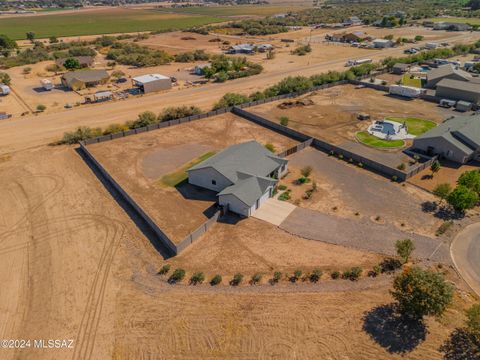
[147,157]
[332,115]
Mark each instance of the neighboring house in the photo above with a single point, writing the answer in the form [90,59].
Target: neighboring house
[459,90]
[242,49]
[352,21]
[450,26]
[81,79]
[399,69]
[457,139]
[152,83]
[382,43]
[84,61]
[346,37]
[448,71]
[244,176]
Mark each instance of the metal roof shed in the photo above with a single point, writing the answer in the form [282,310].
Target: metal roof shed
[152,82]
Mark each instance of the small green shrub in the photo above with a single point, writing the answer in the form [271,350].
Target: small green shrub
[444,227]
[217,279]
[277,276]
[164,269]
[394,178]
[360,165]
[297,274]
[197,278]
[256,278]
[270,147]
[284,120]
[315,275]
[352,274]
[41,108]
[177,276]
[237,279]
[284,196]
[282,187]
[401,166]
[335,275]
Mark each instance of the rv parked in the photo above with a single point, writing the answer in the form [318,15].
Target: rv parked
[358,62]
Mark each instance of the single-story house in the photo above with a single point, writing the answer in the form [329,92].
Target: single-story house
[81,79]
[447,71]
[242,49]
[382,43]
[352,21]
[4,89]
[152,82]
[459,90]
[457,139]
[243,175]
[399,69]
[84,61]
[451,26]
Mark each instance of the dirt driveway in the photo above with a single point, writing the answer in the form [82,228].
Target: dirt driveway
[363,234]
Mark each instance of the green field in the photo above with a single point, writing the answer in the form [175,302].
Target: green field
[179,175]
[370,140]
[415,126]
[258,10]
[99,22]
[472,21]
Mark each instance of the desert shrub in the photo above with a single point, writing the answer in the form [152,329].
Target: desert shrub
[80,134]
[389,265]
[282,187]
[178,112]
[306,171]
[164,269]
[197,278]
[335,275]
[270,147]
[257,95]
[277,276]
[401,166]
[297,274]
[177,276]
[473,320]
[315,275]
[444,227]
[284,120]
[217,279]
[284,196]
[41,108]
[5,78]
[136,55]
[237,279]
[231,99]
[289,85]
[256,278]
[442,191]
[404,249]
[115,128]
[375,271]
[54,68]
[352,274]
[144,119]
[302,50]
[421,292]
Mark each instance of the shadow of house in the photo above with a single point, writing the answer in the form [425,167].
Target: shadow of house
[461,346]
[192,192]
[392,331]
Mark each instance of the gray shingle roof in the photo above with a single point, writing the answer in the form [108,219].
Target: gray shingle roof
[462,131]
[470,86]
[446,70]
[249,158]
[248,188]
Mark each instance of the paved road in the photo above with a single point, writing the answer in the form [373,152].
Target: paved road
[31,131]
[361,234]
[465,252]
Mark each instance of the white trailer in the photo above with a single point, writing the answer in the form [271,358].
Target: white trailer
[405,91]
[431,45]
[4,89]
[358,62]
[46,84]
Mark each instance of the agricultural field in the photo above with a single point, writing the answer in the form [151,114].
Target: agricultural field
[236,11]
[154,164]
[103,21]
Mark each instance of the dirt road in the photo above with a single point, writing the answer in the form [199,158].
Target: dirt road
[20,133]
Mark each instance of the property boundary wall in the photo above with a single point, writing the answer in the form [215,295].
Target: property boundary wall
[295,148]
[195,234]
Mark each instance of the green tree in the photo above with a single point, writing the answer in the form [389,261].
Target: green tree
[117,74]
[471,180]
[53,40]
[442,191]
[30,36]
[231,99]
[144,119]
[462,198]
[7,43]
[71,64]
[473,320]
[419,37]
[5,78]
[435,167]
[421,292]
[404,249]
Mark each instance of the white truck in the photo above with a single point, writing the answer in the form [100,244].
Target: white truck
[431,45]
[358,62]
[405,91]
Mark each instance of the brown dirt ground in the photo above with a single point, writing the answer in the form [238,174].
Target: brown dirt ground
[448,173]
[333,116]
[74,266]
[176,214]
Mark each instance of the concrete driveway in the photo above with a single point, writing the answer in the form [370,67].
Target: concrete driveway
[274,211]
[465,252]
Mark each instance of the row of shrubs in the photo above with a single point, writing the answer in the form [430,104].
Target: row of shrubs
[144,119]
[353,274]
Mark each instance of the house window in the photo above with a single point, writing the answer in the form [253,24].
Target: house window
[214,182]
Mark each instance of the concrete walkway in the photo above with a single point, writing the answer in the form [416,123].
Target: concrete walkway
[361,234]
[465,252]
[274,211]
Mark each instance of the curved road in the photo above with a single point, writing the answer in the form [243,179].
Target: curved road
[465,252]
